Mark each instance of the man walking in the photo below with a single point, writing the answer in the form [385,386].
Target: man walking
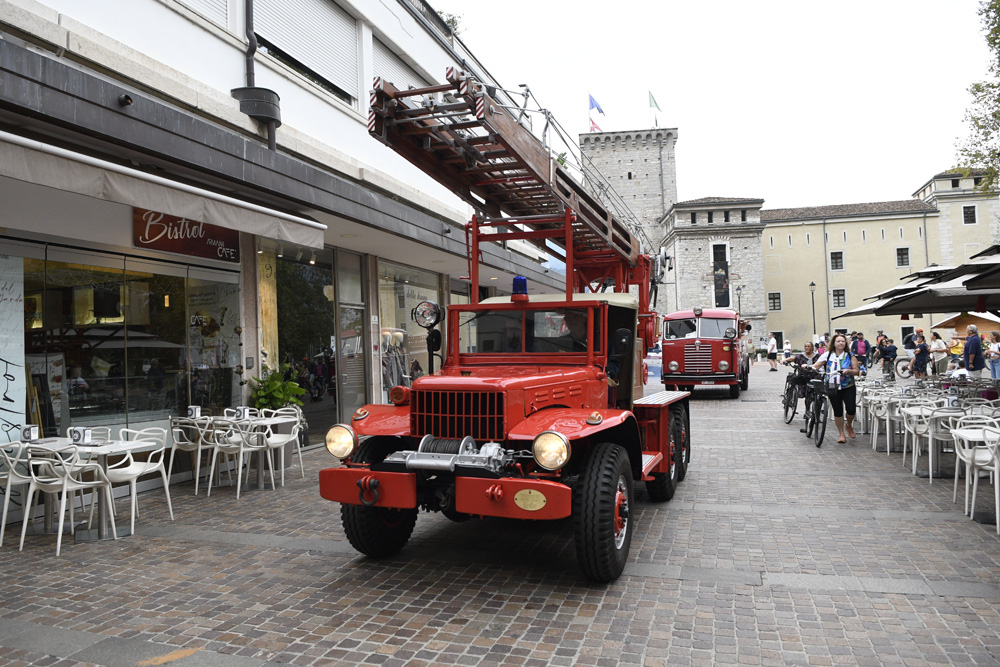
[972,354]
[772,352]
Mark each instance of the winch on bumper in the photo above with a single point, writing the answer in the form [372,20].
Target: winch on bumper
[482,484]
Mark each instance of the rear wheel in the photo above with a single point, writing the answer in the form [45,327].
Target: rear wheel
[602,513]
[903,368]
[685,457]
[790,402]
[821,408]
[745,379]
[377,531]
[664,484]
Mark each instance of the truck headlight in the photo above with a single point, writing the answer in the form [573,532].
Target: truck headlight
[551,450]
[723,366]
[341,441]
[673,366]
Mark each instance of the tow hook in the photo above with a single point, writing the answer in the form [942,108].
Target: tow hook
[365,484]
[495,492]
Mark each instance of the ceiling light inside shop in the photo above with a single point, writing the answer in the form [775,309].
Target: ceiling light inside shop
[166,300]
[281,251]
[312,258]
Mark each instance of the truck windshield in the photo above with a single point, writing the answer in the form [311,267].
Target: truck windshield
[713,328]
[682,328]
[550,331]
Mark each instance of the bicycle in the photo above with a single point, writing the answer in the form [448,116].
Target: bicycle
[790,396]
[903,368]
[817,410]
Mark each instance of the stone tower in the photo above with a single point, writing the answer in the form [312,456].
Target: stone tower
[639,165]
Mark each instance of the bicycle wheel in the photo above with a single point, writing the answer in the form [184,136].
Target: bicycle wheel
[822,409]
[790,402]
[903,368]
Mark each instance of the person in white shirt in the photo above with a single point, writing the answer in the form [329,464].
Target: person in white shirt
[788,348]
[772,352]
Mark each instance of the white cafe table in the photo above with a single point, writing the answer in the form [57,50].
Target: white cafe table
[97,452]
[925,411]
[259,424]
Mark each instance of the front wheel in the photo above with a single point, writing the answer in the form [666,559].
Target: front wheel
[903,368]
[377,531]
[822,410]
[734,391]
[810,415]
[602,513]
[790,402]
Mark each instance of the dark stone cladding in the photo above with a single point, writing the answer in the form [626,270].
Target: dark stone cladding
[41,92]
[846,210]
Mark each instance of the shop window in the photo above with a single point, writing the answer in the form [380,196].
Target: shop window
[403,346]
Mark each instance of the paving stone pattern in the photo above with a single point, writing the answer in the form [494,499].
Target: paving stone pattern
[772,552]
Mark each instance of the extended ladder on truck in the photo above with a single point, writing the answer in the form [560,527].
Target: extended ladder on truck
[463,137]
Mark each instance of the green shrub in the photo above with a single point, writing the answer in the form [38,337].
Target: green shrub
[272,391]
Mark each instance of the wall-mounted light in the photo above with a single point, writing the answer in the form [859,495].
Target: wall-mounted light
[260,248]
[124,100]
[312,258]
[281,251]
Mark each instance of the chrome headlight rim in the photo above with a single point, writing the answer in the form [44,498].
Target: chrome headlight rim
[544,458]
[673,366]
[339,446]
[723,366]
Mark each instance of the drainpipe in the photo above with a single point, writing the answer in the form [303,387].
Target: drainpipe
[261,104]
[927,261]
[826,278]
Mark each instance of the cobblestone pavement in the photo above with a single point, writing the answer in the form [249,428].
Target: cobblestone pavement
[772,552]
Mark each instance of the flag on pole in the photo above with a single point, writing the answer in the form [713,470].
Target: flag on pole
[593,126]
[595,105]
[654,105]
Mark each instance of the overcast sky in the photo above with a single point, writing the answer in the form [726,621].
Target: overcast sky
[799,103]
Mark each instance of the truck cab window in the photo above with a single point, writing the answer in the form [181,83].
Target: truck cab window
[715,328]
[682,328]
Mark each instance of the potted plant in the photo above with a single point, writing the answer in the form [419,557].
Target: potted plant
[273,391]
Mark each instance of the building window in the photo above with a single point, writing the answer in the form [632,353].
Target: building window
[725,216]
[900,233]
[720,274]
[772,241]
[883,235]
[864,236]
[789,240]
[774,300]
[839,298]
[837,260]
[808,239]
[845,236]
[920,232]
[969,215]
[743,215]
[977,181]
[694,218]
[902,257]
[710,216]
[630,176]
[954,182]
[826,237]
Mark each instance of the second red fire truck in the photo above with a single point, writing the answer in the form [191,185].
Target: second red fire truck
[706,347]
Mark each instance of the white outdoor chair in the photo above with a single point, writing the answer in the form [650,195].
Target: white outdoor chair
[992,442]
[296,411]
[58,471]
[189,435]
[972,456]
[277,442]
[129,470]
[12,473]
[240,440]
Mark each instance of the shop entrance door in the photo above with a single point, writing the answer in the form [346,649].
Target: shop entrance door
[352,335]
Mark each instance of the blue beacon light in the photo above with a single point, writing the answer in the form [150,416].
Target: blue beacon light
[520,285]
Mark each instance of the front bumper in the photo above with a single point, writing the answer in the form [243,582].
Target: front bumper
[681,378]
[509,497]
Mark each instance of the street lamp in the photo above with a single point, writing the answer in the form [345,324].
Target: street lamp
[812,291]
[739,299]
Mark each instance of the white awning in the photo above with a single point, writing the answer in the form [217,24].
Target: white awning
[51,166]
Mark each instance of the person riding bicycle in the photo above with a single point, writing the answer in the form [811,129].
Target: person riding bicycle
[842,369]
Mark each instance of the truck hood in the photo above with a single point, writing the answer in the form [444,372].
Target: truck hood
[505,378]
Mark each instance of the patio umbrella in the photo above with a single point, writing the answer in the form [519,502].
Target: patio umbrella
[866,309]
[947,297]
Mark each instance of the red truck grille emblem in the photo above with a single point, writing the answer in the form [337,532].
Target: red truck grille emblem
[456,414]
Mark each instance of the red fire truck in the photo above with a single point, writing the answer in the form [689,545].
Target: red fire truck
[707,347]
[538,411]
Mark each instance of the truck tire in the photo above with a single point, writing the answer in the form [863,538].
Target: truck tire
[745,379]
[602,513]
[664,484]
[685,440]
[734,391]
[377,531]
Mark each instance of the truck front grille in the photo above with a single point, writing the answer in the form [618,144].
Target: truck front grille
[456,414]
[697,360]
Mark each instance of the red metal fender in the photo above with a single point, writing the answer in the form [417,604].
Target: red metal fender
[571,422]
[513,498]
[394,489]
[384,420]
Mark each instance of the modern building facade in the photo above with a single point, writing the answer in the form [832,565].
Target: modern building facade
[179,210]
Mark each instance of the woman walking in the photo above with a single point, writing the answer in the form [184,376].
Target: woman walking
[939,353]
[843,369]
[993,355]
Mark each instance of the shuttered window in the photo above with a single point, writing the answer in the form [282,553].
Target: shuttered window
[391,68]
[214,10]
[317,33]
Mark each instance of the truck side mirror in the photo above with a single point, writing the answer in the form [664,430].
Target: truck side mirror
[748,327]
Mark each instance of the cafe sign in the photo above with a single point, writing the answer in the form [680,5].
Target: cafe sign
[158,231]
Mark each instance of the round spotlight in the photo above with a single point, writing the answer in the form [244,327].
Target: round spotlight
[551,450]
[341,441]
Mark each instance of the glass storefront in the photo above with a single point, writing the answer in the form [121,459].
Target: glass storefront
[89,338]
[403,348]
